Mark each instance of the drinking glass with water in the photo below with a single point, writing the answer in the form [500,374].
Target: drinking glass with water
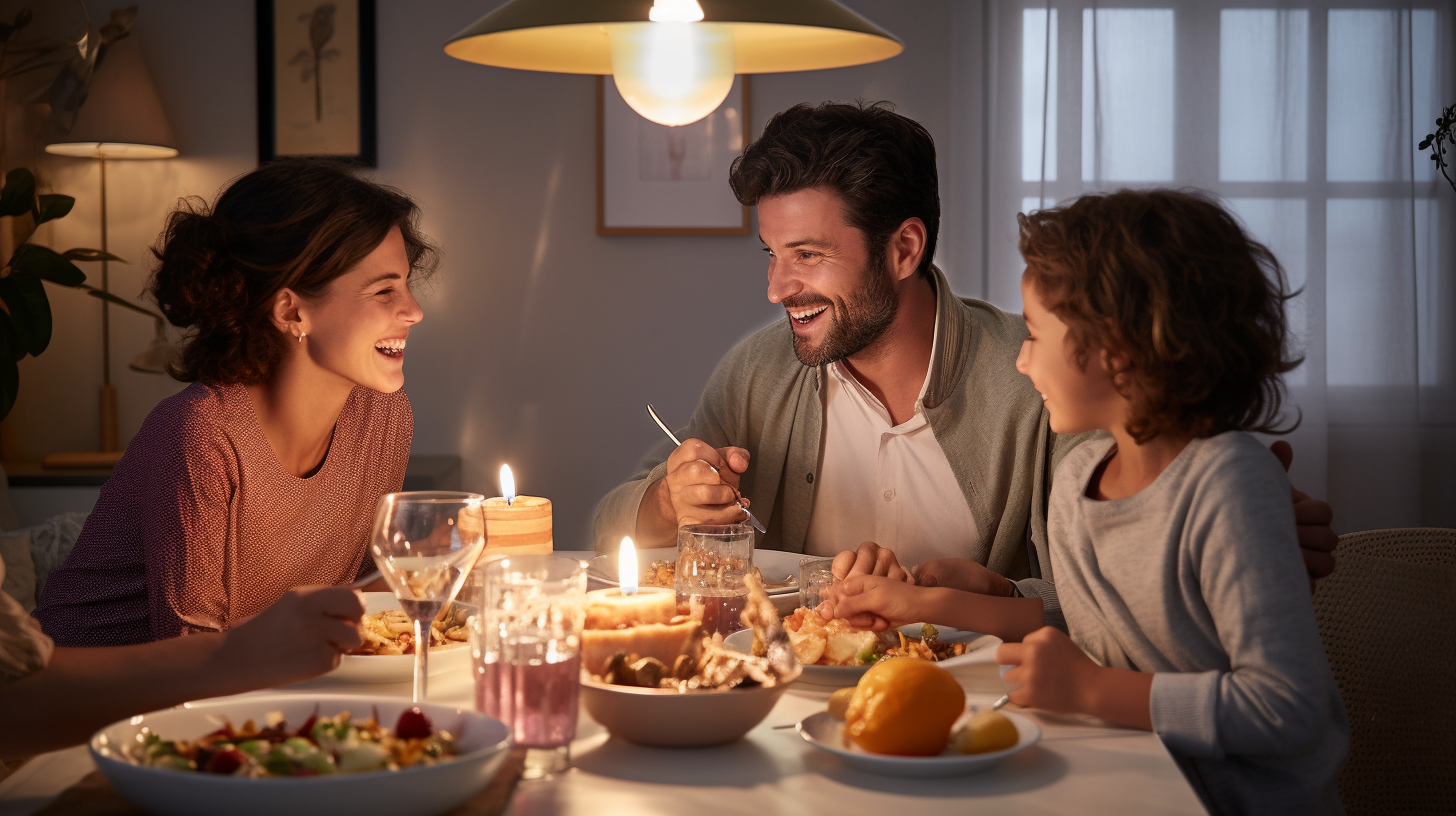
[712,560]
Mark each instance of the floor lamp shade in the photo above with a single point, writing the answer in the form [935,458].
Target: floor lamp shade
[122,115]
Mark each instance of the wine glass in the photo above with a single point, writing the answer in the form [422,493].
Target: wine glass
[425,544]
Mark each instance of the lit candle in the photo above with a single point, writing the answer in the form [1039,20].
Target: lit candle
[632,620]
[516,524]
[626,605]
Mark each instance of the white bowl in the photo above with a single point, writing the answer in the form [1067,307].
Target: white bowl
[398,668]
[673,719]
[424,790]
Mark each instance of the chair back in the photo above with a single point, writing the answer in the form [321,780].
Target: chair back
[1387,617]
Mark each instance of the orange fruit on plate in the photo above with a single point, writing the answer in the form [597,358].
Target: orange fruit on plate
[904,706]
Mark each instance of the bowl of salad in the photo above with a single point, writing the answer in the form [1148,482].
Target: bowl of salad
[282,754]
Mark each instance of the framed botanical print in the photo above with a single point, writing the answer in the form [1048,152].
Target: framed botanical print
[316,80]
[658,180]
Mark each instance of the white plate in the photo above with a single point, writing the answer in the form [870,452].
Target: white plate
[398,668]
[424,790]
[981,649]
[827,734]
[774,564]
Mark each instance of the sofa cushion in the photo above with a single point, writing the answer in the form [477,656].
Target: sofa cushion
[19,568]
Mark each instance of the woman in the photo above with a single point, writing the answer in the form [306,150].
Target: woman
[263,474]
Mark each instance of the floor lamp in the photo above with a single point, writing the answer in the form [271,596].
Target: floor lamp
[121,118]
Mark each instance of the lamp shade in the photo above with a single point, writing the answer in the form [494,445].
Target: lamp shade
[574,36]
[122,116]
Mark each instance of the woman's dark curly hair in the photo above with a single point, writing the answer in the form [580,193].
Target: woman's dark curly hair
[1188,306]
[880,164]
[291,223]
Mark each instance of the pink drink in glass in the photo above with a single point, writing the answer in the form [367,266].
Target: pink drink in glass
[535,695]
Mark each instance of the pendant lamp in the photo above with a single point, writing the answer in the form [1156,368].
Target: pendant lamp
[673,60]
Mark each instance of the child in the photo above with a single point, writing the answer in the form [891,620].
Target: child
[1154,318]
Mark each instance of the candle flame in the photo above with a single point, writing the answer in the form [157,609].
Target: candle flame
[627,567]
[508,484]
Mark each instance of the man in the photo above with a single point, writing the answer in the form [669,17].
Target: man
[891,409]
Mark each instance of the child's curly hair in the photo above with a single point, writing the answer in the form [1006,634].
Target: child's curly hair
[1189,308]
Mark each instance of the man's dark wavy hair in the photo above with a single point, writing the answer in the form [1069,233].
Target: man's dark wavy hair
[880,164]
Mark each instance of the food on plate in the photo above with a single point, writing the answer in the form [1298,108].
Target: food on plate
[928,646]
[678,656]
[322,745]
[393,633]
[839,703]
[904,706]
[664,574]
[988,730]
[837,643]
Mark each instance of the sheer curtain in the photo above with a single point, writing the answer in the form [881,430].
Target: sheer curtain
[1304,119]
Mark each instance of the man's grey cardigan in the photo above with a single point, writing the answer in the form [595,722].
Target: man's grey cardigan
[985,414]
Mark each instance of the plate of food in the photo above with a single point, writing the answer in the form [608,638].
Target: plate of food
[834,653]
[388,654]
[779,571]
[282,754]
[826,733]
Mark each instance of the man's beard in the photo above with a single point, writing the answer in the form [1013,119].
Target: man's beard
[853,324]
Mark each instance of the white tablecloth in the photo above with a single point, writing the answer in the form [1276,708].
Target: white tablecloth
[1079,767]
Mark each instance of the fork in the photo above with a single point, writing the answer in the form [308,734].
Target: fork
[752,519]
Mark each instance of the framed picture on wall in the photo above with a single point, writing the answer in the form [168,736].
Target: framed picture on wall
[316,91]
[659,180]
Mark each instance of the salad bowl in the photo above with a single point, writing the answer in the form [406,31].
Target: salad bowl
[481,747]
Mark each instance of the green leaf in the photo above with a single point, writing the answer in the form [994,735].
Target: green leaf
[12,344]
[9,382]
[83,254]
[18,195]
[46,263]
[116,301]
[30,309]
[51,207]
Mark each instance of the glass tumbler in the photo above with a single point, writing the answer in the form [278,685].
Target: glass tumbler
[712,560]
[527,651]
[815,575]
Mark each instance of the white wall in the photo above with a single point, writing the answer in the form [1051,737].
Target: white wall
[541,340]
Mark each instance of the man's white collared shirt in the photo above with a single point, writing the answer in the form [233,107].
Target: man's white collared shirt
[890,484]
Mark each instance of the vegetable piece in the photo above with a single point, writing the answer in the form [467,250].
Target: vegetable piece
[413,724]
[225,762]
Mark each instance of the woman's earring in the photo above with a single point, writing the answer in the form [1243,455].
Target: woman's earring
[302,335]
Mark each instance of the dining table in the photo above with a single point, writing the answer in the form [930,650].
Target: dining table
[1079,766]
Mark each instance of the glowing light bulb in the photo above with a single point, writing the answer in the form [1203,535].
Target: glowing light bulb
[671,72]
[683,11]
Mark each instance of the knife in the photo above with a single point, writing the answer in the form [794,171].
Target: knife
[752,519]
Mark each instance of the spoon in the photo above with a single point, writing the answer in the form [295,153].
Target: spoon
[757,525]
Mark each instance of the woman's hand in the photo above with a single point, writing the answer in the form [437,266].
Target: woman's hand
[302,635]
[874,602]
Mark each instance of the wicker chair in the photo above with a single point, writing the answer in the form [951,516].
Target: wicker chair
[1387,617]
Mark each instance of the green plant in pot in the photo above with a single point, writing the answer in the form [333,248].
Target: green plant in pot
[25,309]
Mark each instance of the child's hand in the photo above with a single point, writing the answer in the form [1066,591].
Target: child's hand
[1050,669]
[874,602]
